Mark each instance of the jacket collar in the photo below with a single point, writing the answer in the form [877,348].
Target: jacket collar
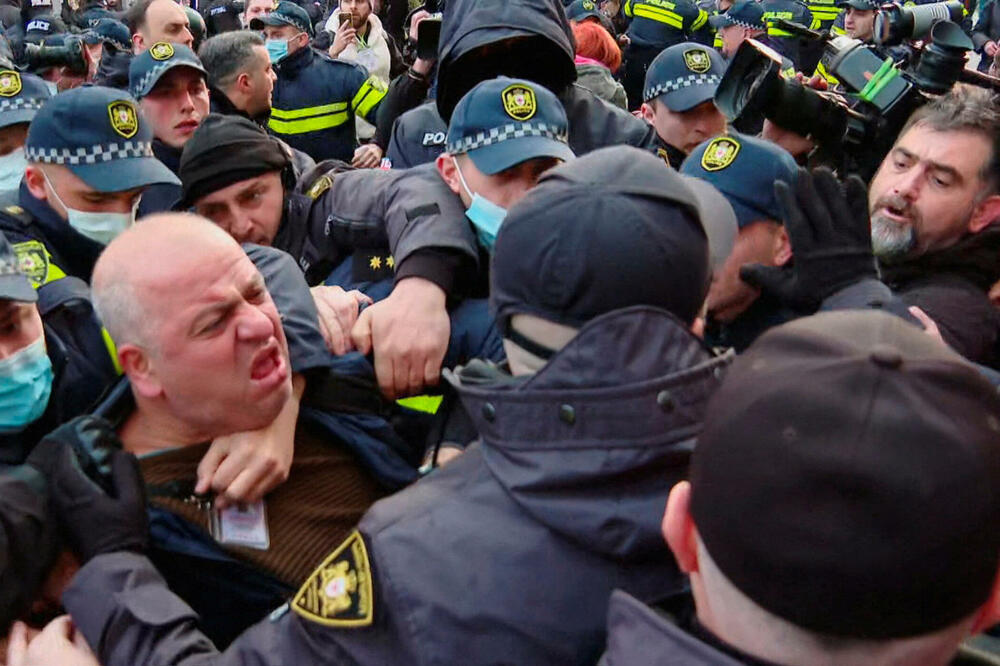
[170,156]
[296,62]
[975,258]
[76,251]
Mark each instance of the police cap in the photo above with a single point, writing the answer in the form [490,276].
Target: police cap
[864,5]
[110,32]
[99,135]
[149,66]
[606,231]
[846,477]
[744,169]
[746,13]
[286,13]
[683,76]
[21,96]
[503,122]
[14,284]
[42,27]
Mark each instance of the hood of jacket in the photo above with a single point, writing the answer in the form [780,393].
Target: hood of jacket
[591,445]
[468,25]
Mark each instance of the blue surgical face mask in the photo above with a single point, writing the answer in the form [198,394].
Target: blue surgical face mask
[485,215]
[53,88]
[99,227]
[25,387]
[12,169]
[276,49]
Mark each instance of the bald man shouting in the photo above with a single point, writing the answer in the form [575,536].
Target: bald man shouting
[202,345]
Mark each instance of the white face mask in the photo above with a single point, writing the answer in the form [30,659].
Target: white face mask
[99,227]
[12,169]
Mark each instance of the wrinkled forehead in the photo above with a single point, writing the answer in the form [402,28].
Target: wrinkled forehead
[186,277]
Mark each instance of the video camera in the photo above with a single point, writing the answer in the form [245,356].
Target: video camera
[855,127]
[69,55]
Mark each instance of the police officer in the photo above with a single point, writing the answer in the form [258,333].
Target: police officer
[529,40]
[171,87]
[315,98]
[90,157]
[744,170]
[21,96]
[786,43]
[657,24]
[106,34]
[678,98]
[516,507]
[744,20]
[222,16]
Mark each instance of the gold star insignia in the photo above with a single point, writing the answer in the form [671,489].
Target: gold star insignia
[375,262]
[390,261]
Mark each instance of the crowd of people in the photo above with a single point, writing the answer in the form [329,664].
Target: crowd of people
[476,332]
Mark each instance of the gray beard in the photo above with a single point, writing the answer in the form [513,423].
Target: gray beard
[891,241]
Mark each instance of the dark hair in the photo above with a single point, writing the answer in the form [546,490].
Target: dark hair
[228,55]
[966,109]
[135,16]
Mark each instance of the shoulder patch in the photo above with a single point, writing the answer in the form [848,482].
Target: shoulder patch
[319,187]
[697,60]
[14,210]
[10,83]
[519,102]
[340,592]
[34,261]
[720,153]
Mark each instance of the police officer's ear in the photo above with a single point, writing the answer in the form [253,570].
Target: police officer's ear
[678,528]
[34,180]
[648,111]
[449,172]
[782,247]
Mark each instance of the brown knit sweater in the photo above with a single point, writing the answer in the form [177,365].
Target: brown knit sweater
[319,505]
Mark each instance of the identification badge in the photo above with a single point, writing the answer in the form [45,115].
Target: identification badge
[242,525]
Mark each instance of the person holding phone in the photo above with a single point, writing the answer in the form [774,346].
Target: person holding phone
[358,36]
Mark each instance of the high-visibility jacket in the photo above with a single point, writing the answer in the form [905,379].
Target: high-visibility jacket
[663,23]
[315,101]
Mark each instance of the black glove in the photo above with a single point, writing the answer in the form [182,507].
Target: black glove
[102,509]
[830,233]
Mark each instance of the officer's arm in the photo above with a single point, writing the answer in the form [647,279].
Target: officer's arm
[129,616]
[981,31]
[699,28]
[369,91]
[406,92]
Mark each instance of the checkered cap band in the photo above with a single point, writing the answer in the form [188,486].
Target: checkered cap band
[92,155]
[681,83]
[20,104]
[747,24]
[151,76]
[507,132]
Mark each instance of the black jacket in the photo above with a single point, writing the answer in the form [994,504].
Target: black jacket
[952,286]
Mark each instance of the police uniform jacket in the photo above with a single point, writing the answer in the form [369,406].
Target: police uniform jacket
[383,216]
[661,23]
[508,555]
[315,101]
[786,43]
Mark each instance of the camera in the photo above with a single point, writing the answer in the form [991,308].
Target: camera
[856,126]
[69,55]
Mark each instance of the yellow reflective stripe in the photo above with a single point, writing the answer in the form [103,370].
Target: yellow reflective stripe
[825,75]
[660,16]
[628,8]
[370,94]
[837,30]
[701,20]
[292,114]
[422,403]
[717,41]
[775,32]
[309,124]
[112,349]
[54,273]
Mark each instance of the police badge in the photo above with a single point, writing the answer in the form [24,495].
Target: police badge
[697,60]
[519,102]
[161,51]
[10,83]
[123,118]
[720,153]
